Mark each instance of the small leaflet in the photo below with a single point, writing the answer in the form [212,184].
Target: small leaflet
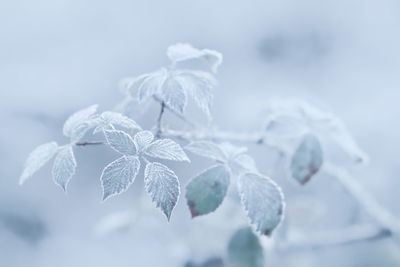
[153,84]
[120,142]
[182,52]
[162,185]
[207,149]
[174,96]
[142,140]
[74,125]
[245,250]
[206,191]
[307,159]
[64,166]
[116,119]
[263,201]
[166,149]
[37,159]
[119,175]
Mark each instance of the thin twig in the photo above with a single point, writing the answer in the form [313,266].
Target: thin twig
[256,137]
[382,216]
[347,236]
[89,143]
[178,115]
[159,120]
[386,224]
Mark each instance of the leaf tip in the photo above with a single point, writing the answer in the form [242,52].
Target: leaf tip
[193,212]
[21,180]
[105,197]
[267,232]
[167,215]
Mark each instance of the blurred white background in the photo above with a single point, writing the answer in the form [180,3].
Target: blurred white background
[59,56]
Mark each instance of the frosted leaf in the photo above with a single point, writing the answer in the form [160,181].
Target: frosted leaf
[142,140]
[335,128]
[288,119]
[199,86]
[232,151]
[181,52]
[132,107]
[196,78]
[82,129]
[340,134]
[174,96]
[166,149]
[285,120]
[307,159]
[116,119]
[130,85]
[162,185]
[245,250]
[207,149]
[152,84]
[77,121]
[263,201]
[99,128]
[214,59]
[120,142]
[37,159]
[206,191]
[119,175]
[64,166]
[243,163]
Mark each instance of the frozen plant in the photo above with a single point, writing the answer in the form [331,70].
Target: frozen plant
[295,128]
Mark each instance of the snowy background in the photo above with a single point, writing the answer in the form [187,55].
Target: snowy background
[59,56]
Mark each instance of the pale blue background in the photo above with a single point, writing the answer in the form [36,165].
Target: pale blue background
[58,56]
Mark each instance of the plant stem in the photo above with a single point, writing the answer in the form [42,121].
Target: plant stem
[382,216]
[178,115]
[89,143]
[256,137]
[159,120]
[350,235]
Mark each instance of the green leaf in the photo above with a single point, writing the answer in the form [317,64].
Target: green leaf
[245,250]
[307,159]
[205,192]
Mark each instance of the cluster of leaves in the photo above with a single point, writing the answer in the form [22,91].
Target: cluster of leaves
[260,196]
[160,182]
[294,119]
[75,127]
[172,87]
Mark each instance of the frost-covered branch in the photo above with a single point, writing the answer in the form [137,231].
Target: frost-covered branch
[260,196]
[178,115]
[383,217]
[159,120]
[345,236]
[246,137]
[87,143]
